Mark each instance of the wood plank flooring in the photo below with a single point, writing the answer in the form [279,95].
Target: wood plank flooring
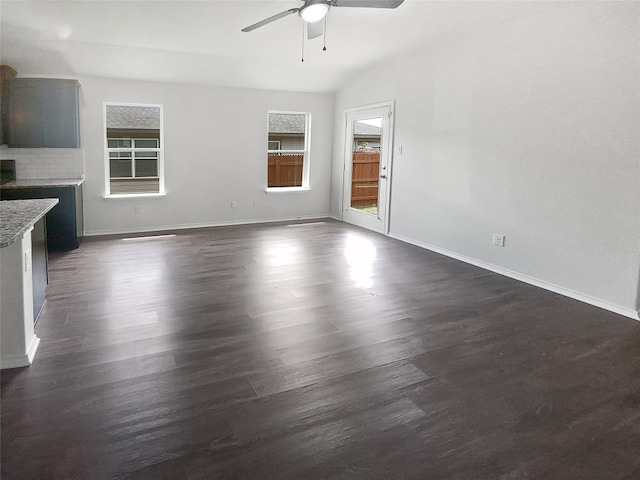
[318,351]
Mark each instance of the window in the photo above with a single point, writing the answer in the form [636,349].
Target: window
[134,149]
[274,145]
[288,150]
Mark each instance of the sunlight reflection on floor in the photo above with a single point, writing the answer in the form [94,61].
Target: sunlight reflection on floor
[360,254]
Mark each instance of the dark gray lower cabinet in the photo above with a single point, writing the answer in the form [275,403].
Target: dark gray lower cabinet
[65,224]
[39,265]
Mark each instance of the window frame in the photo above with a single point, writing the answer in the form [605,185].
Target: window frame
[306,153]
[107,150]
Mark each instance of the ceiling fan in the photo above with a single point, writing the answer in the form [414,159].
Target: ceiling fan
[315,10]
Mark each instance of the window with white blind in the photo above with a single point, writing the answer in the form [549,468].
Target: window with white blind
[134,149]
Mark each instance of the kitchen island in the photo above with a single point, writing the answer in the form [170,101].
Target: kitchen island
[23,277]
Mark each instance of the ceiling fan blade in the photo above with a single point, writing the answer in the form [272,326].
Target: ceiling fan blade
[367,3]
[270,19]
[315,29]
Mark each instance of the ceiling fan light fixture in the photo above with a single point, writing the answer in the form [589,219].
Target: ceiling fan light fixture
[314,12]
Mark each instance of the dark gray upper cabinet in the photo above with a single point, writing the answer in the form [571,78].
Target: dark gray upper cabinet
[43,112]
[6,75]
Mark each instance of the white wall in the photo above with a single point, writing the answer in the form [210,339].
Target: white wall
[530,129]
[215,152]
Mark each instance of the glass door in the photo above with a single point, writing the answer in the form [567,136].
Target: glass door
[367,162]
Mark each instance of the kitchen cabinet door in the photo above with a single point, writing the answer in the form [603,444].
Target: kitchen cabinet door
[6,75]
[43,113]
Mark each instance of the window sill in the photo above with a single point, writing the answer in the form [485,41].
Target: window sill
[287,189]
[133,195]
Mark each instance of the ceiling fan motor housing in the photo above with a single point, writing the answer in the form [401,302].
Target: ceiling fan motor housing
[314,10]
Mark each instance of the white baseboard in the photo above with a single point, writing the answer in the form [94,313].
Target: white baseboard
[567,292]
[33,347]
[185,226]
[21,360]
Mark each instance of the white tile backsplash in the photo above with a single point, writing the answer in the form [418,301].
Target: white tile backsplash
[46,163]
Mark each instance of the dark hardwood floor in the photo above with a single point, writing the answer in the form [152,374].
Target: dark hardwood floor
[314,351]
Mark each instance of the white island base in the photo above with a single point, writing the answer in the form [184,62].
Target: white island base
[18,341]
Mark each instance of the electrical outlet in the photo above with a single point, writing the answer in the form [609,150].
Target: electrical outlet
[234,204]
[498,239]
[138,209]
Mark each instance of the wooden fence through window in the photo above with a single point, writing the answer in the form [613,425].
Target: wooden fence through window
[364,178]
[285,170]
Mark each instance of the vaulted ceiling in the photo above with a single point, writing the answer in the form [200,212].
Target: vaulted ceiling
[200,42]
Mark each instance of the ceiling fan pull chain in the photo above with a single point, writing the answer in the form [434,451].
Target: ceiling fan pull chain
[324,38]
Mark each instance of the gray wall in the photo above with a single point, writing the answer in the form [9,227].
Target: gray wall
[530,129]
[215,153]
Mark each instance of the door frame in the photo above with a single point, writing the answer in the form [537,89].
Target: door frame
[347,157]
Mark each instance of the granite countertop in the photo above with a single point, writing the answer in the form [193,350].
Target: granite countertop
[54,182]
[17,216]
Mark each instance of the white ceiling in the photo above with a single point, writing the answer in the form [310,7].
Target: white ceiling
[200,42]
